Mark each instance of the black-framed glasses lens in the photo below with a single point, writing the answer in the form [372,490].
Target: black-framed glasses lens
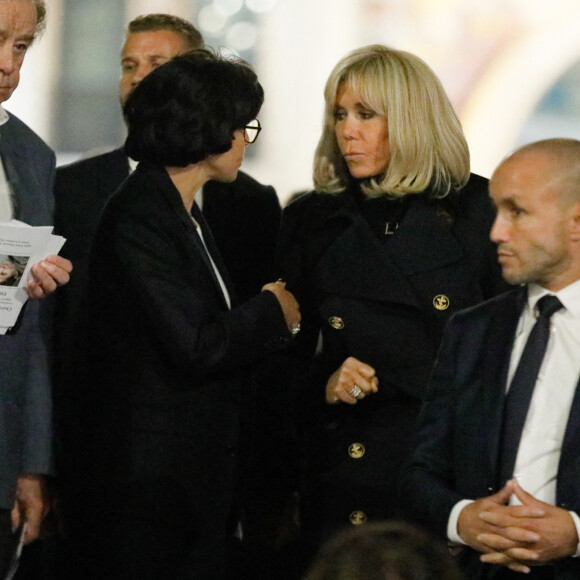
[252,130]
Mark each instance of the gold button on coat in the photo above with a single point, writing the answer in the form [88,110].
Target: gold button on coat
[356,450]
[441,302]
[336,322]
[358,518]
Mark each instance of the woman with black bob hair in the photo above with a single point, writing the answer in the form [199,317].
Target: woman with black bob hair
[192,109]
[172,349]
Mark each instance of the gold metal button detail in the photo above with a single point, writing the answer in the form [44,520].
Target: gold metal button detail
[441,302]
[358,518]
[336,322]
[356,450]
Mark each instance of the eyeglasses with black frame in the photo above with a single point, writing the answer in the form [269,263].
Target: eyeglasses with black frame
[251,131]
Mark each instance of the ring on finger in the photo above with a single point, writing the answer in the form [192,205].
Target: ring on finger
[355,391]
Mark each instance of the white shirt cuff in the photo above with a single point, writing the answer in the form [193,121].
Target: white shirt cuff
[577,524]
[452,521]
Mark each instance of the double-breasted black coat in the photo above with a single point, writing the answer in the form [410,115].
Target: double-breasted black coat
[384,299]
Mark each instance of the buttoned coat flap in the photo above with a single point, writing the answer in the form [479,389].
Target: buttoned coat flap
[422,243]
[377,277]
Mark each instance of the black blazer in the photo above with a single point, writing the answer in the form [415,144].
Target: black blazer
[168,362]
[457,442]
[385,302]
[244,217]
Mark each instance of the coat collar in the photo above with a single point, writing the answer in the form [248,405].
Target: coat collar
[422,243]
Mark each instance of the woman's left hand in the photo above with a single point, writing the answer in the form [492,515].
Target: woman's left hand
[350,383]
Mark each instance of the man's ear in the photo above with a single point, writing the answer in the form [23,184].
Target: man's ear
[575,223]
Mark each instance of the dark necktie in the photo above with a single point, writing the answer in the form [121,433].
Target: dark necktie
[522,386]
[212,248]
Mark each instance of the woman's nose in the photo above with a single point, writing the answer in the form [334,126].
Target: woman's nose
[350,128]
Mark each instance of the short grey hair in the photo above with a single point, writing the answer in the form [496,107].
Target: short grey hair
[40,17]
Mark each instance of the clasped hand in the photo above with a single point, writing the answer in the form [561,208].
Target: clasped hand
[351,382]
[287,301]
[517,536]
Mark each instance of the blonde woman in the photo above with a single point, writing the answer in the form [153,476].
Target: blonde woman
[394,240]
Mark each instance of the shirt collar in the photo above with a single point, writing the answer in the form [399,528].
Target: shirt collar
[568,296]
[3,116]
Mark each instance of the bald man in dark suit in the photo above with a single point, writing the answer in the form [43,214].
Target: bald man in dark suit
[497,459]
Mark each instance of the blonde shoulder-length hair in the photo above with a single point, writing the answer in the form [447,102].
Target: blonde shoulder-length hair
[428,148]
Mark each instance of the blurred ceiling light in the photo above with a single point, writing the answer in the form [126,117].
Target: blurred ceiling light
[260,5]
[241,36]
[210,21]
[228,7]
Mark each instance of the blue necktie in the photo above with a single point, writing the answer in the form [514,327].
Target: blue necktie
[517,400]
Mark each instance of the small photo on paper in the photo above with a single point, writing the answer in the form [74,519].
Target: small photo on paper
[11,269]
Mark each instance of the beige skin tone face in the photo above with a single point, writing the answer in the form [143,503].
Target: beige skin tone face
[143,52]
[17,25]
[533,225]
[362,135]
[225,166]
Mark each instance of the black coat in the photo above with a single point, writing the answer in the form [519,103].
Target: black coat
[168,362]
[384,300]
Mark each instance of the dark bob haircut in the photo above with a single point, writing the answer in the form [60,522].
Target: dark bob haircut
[188,109]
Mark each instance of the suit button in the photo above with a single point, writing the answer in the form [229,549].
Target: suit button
[356,450]
[358,518]
[336,322]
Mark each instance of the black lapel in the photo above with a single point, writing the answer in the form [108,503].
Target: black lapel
[424,241]
[377,277]
[570,457]
[173,199]
[29,197]
[498,342]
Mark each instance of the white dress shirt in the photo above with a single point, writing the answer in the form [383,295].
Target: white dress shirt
[215,268]
[536,466]
[6,207]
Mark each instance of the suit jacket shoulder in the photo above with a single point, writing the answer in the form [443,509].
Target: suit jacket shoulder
[90,182]
[18,133]
[29,164]
[113,162]
[81,191]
